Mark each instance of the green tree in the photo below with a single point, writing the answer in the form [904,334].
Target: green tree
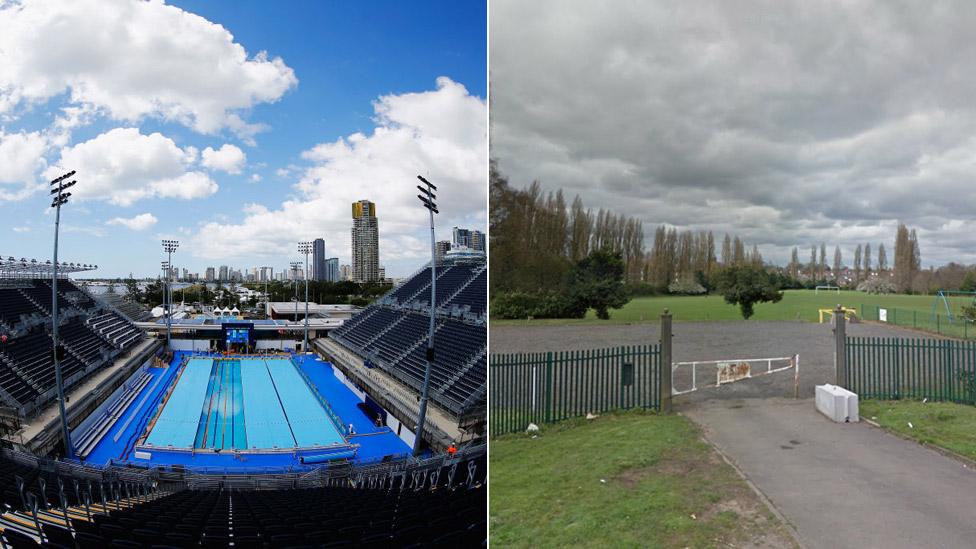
[747,285]
[597,282]
[969,282]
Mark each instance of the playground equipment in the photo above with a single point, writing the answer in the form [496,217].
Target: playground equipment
[944,296]
[850,313]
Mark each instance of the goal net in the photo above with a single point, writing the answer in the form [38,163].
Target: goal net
[826,288]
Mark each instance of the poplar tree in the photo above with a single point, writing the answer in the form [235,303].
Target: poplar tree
[837,261]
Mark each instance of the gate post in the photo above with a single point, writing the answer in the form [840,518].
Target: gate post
[840,347]
[664,398]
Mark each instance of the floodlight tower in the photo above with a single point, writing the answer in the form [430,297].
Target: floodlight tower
[427,199]
[294,284]
[169,246]
[267,305]
[305,248]
[57,201]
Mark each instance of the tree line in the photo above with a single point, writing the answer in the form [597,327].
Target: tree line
[536,238]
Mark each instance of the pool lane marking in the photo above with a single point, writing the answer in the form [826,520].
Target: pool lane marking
[206,425]
[280,403]
[223,418]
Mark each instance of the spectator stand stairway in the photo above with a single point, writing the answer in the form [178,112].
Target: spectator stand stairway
[91,334]
[391,334]
[440,501]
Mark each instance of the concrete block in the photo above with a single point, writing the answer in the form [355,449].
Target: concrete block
[837,403]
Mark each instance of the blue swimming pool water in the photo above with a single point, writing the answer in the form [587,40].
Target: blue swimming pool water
[178,422]
[251,403]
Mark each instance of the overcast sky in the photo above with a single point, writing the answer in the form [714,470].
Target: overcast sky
[238,128]
[789,123]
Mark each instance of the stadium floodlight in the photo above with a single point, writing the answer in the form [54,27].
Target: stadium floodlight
[305,248]
[427,199]
[294,284]
[59,199]
[267,302]
[169,246]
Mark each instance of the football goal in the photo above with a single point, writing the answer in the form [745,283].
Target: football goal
[826,288]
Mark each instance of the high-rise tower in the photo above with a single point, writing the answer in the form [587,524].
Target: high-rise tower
[365,242]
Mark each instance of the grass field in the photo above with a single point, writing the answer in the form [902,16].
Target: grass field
[624,480]
[795,305]
[951,426]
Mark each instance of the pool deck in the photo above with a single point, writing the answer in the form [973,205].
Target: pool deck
[374,443]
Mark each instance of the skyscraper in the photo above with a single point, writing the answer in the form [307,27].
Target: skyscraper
[466,238]
[477,241]
[365,242]
[443,247]
[210,274]
[332,269]
[462,237]
[318,259]
[223,273]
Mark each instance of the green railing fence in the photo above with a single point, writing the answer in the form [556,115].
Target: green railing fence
[922,320]
[894,368]
[548,387]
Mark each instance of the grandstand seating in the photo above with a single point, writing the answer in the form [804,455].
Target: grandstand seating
[91,333]
[392,333]
[132,310]
[440,504]
[13,304]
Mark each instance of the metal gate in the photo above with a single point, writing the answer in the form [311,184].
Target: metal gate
[687,377]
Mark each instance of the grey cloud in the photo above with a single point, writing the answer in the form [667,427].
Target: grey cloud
[787,123]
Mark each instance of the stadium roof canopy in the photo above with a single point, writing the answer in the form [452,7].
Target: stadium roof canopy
[11,267]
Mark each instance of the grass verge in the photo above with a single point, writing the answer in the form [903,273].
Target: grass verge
[944,424]
[632,479]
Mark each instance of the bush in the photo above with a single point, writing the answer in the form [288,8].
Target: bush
[516,305]
[686,286]
[876,286]
[641,289]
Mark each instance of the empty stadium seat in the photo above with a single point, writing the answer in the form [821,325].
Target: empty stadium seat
[393,332]
[91,335]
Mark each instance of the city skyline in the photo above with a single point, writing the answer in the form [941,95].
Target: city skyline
[297,130]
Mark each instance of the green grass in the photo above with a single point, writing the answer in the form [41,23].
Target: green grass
[946,424]
[631,479]
[795,305]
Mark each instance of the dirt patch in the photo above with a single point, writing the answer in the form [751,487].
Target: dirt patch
[672,465]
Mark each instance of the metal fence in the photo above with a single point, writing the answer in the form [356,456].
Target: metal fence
[548,387]
[894,368]
[920,320]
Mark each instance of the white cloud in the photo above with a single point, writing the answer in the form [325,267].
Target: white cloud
[21,157]
[228,159]
[441,134]
[133,59]
[255,178]
[123,166]
[22,229]
[140,222]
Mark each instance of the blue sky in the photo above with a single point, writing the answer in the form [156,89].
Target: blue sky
[238,139]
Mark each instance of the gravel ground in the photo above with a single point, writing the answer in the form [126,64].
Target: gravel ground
[709,341]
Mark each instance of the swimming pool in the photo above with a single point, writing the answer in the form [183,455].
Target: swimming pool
[247,404]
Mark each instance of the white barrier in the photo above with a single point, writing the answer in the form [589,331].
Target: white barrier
[837,403]
[729,371]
